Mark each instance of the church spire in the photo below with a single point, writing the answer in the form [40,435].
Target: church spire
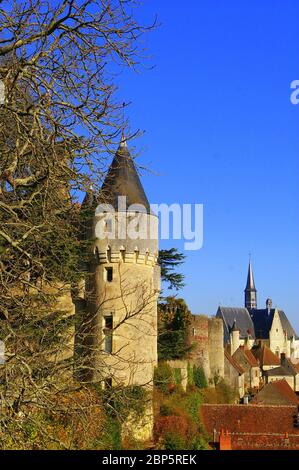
[250,290]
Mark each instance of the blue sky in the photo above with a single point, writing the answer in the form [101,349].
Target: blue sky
[221,130]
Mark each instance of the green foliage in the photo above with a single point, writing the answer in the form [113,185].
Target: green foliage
[120,402]
[190,378]
[177,375]
[169,260]
[178,425]
[111,437]
[173,441]
[163,376]
[174,320]
[199,377]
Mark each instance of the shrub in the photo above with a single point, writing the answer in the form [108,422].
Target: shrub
[163,377]
[173,441]
[190,378]
[199,377]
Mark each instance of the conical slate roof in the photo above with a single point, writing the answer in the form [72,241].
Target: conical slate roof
[123,180]
[250,279]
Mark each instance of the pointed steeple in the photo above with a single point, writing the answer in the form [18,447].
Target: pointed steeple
[123,180]
[250,279]
[250,290]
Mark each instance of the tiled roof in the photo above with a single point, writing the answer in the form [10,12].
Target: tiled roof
[247,354]
[265,356]
[249,418]
[243,321]
[251,359]
[234,363]
[278,392]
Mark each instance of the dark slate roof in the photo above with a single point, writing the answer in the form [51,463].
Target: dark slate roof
[250,285]
[243,321]
[123,180]
[279,371]
[262,319]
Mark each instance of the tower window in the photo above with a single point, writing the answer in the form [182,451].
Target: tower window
[108,330]
[109,274]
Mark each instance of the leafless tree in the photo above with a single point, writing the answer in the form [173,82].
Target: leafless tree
[59,120]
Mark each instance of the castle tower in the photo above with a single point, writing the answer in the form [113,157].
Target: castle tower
[250,290]
[119,326]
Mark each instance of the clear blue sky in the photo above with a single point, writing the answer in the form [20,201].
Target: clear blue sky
[221,130]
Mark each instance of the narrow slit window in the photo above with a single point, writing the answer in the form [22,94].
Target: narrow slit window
[108,330]
[109,274]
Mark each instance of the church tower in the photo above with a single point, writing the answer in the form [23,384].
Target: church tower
[250,290]
[119,326]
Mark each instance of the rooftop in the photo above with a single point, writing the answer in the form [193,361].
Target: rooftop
[278,392]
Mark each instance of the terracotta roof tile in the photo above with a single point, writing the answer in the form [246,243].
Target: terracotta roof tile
[247,355]
[249,418]
[278,392]
[234,363]
[265,356]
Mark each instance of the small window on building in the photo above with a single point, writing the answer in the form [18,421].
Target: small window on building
[194,332]
[276,330]
[108,331]
[109,274]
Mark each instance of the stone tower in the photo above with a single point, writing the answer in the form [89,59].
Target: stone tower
[117,335]
[250,290]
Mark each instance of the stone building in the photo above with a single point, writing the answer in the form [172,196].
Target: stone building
[234,374]
[244,357]
[269,325]
[117,315]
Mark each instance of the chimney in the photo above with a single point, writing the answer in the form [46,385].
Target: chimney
[282,358]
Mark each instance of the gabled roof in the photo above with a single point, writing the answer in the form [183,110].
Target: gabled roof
[247,354]
[243,321]
[123,180]
[278,392]
[234,363]
[262,319]
[265,356]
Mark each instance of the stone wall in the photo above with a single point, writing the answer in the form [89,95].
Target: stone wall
[183,366]
[198,338]
[216,349]
[206,337]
